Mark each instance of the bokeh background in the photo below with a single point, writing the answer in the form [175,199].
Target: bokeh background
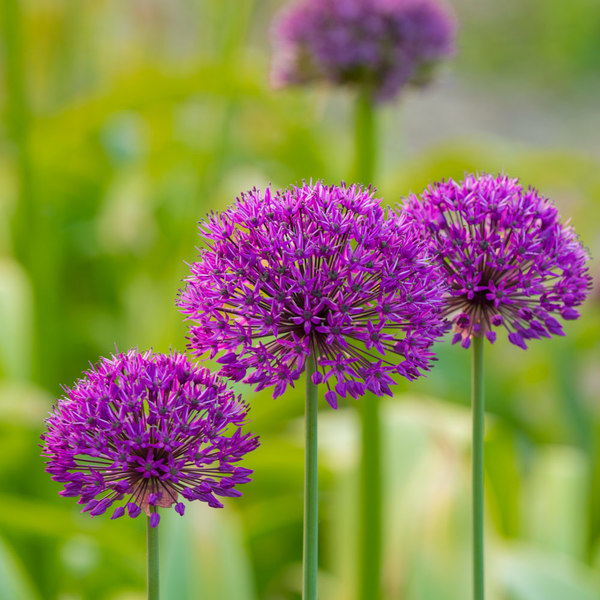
[123,124]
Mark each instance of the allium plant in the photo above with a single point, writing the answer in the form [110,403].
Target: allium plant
[143,431]
[511,265]
[377,49]
[313,270]
[319,279]
[382,44]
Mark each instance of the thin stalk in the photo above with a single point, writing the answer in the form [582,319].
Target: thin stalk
[311,487]
[152,560]
[370,524]
[370,493]
[365,138]
[478,402]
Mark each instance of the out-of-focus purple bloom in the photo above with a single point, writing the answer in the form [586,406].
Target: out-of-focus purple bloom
[381,44]
[139,430]
[509,260]
[314,270]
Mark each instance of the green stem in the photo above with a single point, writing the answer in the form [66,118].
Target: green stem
[478,402]
[365,138]
[370,493]
[152,540]
[311,487]
[370,523]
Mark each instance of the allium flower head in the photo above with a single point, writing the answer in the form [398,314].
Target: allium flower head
[313,270]
[381,44]
[510,262]
[141,430]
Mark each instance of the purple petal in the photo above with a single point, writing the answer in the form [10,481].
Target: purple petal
[331,398]
[491,335]
[227,359]
[133,510]
[569,313]
[119,512]
[515,338]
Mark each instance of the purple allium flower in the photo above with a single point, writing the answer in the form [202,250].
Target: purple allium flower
[139,430]
[381,44]
[314,270]
[509,261]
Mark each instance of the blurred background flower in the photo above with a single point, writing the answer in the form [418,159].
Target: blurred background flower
[381,44]
[123,124]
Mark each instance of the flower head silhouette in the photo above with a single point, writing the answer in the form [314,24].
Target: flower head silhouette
[314,270]
[143,431]
[510,262]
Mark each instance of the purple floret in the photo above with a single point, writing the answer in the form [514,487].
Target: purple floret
[138,430]
[382,44]
[509,260]
[314,270]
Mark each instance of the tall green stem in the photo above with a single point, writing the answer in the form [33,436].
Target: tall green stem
[365,138]
[370,523]
[311,487]
[370,493]
[478,402]
[152,560]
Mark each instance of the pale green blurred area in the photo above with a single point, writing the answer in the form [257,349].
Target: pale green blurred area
[123,123]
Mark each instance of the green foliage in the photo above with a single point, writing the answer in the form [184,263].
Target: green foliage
[124,123]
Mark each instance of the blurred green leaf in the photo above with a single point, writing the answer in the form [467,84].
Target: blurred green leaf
[14,583]
[143,116]
[526,574]
[203,553]
[15,321]
[502,468]
[26,516]
[555,501]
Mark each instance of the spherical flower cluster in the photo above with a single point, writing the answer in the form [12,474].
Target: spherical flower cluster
[381,44]
[139,430]
[509,261]
[314,270]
